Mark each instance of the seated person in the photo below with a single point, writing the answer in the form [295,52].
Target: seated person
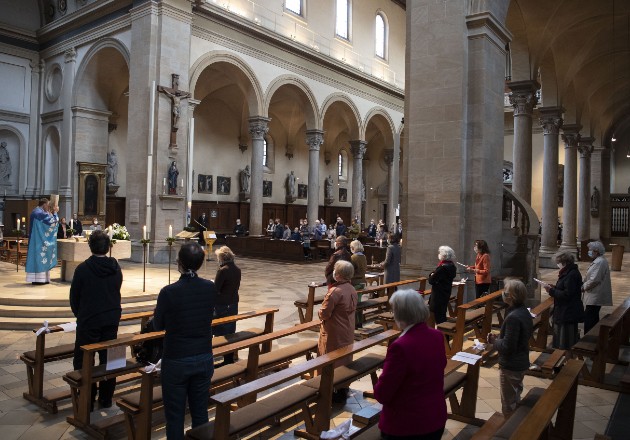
[95,226]
[286,234]
[239,229]
[296,235]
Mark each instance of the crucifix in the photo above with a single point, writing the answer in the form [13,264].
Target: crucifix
[176,96]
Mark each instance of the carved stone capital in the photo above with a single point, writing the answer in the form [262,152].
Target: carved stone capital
[358,149]
[70,55]
[585,146]
[314,139]
[523,97]
[258,127]
[551,119]
[192,104]
[36,66]
[571,135]
[389,156]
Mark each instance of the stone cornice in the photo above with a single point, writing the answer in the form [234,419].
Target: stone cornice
[486,24]
[52,116]
[19,117]
[175,12]
[91,113]
[18,33]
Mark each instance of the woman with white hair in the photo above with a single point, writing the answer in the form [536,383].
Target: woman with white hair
[359,262]
[411,387]
[227,282]
[596,290]
[442,281]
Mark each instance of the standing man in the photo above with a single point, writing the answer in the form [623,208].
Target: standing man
[371,230]
[278,232]
[76,224]
[239,229]
[340,229]
[95,302]
[42,243]
[203,225]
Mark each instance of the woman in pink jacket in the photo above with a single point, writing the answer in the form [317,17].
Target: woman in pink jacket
[411,387]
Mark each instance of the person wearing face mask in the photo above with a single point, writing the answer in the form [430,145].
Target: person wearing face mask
[391,264]
[481,269]
[512,343]
[227,282]
[185,310]
[597,289]
[441,280]
[568,310]
[95,226]
[239,229]
[337,316]
[371,229]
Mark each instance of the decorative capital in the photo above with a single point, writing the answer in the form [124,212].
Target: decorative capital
[358,149]
[551,119]
[258,127]
[70,55]
[523,97]
[389,156]
[36,66]
[192,104]
[314,139]
[571,135]
[585,146]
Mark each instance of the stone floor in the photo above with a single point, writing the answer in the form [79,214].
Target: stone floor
[265,284]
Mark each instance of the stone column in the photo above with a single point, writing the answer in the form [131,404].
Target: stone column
[258,127]
[33,157]
[570,136]
[358,152]
[314,140]
[523,99]
[551,122]
[67,164]
[604,199]
[391,210]
[394,181]
[585,147]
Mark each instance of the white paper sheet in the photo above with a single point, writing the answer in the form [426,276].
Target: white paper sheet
[116,357]
[461,264]
[68,326]
[469,358]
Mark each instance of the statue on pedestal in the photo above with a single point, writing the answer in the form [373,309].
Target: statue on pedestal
[5,165]
[328,190]
[245,176]
[291,187]
[173,174]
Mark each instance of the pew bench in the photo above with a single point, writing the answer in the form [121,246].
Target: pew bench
[533,417]
[35,361]
[81,381]
[139,406]
[474,316]
[542,325]
[601,345]
[299,396]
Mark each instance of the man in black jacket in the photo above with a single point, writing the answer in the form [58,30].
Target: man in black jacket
[278,231]
[95,302]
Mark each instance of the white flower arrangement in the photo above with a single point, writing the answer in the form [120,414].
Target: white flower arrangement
[120,232]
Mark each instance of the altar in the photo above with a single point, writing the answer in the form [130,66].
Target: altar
[72,253]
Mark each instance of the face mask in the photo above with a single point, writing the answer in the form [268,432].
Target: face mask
[96,223]
[560,265]
[334,275]
[590,254]
[475,250]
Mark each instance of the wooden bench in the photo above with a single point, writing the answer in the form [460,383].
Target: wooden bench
[542,325]
[36,359]
[81,381]
[475,315]
[139,406]
[533,417]
[601,345]
[300,396]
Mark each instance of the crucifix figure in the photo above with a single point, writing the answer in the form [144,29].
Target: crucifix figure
[176,97]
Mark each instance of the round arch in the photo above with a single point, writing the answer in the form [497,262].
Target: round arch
[313,118]
[21,149]
[385,124]
[355,123]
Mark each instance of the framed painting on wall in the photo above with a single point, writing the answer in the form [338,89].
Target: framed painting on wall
[224,185]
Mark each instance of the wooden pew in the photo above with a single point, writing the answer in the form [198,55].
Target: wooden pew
[533,417]
[601,345]
[139,406]
[81,381]
[475,315]
[542,325]
[319,390]
[35,361]
[306,307]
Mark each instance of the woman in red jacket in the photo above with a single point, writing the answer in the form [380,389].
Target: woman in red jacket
[481,269]
[411,387]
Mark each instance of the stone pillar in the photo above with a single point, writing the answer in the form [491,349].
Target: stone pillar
[604,199]
[358,152]
[570,136]
[258,127]
[34,155]
[551,122]
[394,181]
[523,99]
[391,210]
[67,166]
[314,140]
[585,147]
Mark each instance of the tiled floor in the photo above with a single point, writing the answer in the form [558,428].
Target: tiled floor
[265,284]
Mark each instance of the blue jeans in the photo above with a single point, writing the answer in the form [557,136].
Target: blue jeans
[186,378]
[221,311]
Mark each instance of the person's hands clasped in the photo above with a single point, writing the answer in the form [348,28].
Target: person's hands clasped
[471,269]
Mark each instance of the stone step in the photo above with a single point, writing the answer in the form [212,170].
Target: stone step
[51,313]
[58,301]
[28,324]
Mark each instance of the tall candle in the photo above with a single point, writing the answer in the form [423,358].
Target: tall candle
[164,182]
[182,185]
[110,233]
[144,232]
[170,231]
[71,223]
[18,224]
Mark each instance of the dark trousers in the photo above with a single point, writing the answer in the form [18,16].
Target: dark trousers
[481,289]
[591,317]
[90,336]
[436,435]
[221,311]
[186,379]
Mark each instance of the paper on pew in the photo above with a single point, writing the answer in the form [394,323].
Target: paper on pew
[116,357]
[468,358]
[341,431]
[68,326]
[533,315]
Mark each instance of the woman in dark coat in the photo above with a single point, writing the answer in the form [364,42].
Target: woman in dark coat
[227,282]
[568,310]
[441,280]
[391,265]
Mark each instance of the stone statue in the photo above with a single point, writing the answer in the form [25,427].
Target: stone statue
[245,175]
[291,184]
[173,173]
[329,187]
[5,165]
[112,168]
[595,199]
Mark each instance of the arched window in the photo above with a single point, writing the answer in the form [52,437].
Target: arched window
[340,164]
[294,6]
[342,19]
[381,36]
[265,157]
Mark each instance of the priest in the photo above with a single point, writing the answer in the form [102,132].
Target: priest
[42,243]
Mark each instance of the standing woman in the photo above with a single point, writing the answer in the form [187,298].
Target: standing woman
[359,262]
[568,310]
[227,282]
[513,345]
[481,269]
[184,309]
[392,259]
[62,231]
[338,317]
[442,281]
[596,290]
